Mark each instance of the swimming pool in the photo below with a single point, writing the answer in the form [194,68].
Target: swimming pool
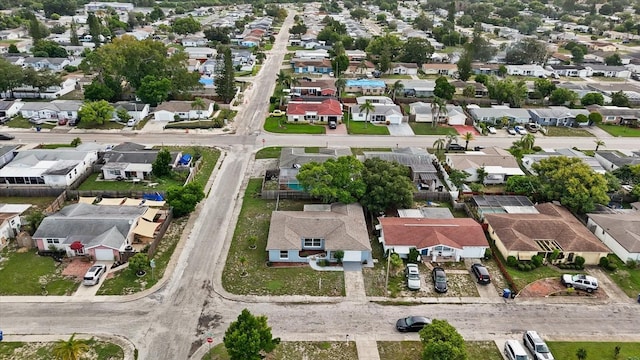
[365,82]
[206,81]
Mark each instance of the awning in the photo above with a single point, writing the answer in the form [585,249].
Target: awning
[145,228]
[352,256]
[107,201]
[154,203]
[132,202]
[150,214]
[86,200]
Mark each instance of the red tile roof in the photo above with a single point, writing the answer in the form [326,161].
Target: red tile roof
[326,107]
[423,233]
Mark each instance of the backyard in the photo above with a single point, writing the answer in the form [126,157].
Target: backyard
[428,129]
[246,271]
[98,350]
[273,152]
[411,350]
[362,128]
[622,131]
[277,124]
[27,273]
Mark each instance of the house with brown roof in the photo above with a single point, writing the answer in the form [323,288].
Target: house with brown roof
[314,112]
[438,239]
[443,69]
[553,228]
[403,69]
[363,67]
[620,232]
[315,88]
[319,230]
[498,163]
[182,110]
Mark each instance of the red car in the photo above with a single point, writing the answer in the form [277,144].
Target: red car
[62,121]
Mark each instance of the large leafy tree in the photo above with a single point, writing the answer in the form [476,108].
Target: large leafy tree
[183,199]
[248,337]
[592,98]
[162,165]
[226,81]
[544,86]
[48,49]
[416,50]
[71,349]
[153,90]
[464,66]
[443,89]
[95,113]
[561,96]
[60,7]
[387,186]
[334,180]
[186,25]
[619,99]
[441,341]
[572,182]
[527,51]
[10,76]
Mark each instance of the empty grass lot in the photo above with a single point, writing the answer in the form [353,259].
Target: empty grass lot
[428,129]
[567,131]
[362,128]
[279,125]
[411,350]
[595,350]
[27,273]
[622,131]
[273,152]
[626,278]
[299,350]
[98,350]
[21,123]
[253,222]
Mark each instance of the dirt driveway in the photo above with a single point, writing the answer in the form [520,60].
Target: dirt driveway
[553,287]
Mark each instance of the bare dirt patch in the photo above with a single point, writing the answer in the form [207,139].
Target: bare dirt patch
[76,268]
[553,287]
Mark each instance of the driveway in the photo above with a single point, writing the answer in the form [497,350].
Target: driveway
[341,129]
[154,126]
[90,291]
[400,130]
[598,133]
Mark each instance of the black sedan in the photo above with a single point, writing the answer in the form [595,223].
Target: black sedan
[412,323]
[439,279]
[6,137]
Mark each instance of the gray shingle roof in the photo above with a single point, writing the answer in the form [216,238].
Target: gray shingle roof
[624,228]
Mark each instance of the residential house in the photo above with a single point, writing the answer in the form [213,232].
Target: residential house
[243,58]
[419,88]
[612,159]
[556,116]
[56,109]
[602,46]
[312,66]
[53,92]
[362,67]
[529,159]
[9,109]
[496,114]
[385,110]
[608,71]
[314,88]
[365,86]
[129,161]
[485,69]
[319,231]
[193,41]
[47,167]
[314,112]
[558,59]
[53,64]
[620,232]
[135,110]
[569,70]
[480,89]
[403,69]
[480,205]
[442,69]
[291,159]
[10,222]
[419,162]
[553,228]
[356,55]
[200,53]
[435,239]
[616,114]
[498,164]
[7,153]
[525,70]
[103,231]
[318,54]
[182,110]
[95,6]
[454,115]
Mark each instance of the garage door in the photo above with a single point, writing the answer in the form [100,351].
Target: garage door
[104,254]
[352,256]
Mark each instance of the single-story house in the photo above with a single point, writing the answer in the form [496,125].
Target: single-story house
[556,115]
[131,161]
[53,64]
[321,231]
[485,68]
[7,153]
[318,54]
[363,67]
[356,55]
[137,111]
[419,88]
[617,115]
[291,159]
[437,239]
[419,162]
[525,70]
[304,66]
[569,70]
[103,231]
[443,69]
[56,109]
[312,112]
[314,88]
[554,228]
[480,90]
[193,41]
[611,159]
[365,86]
[403,68]
[10,221]
[200,53]
[529,159]
[608,71]
[182,110]
[382,113]
[9,109]
[498,163]
[620,232]
[423,113]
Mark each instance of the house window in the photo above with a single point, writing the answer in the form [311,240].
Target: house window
[284,254]
[312,243]
[53,241]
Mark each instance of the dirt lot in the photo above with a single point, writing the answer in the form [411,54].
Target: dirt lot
[76,268]
[553,287]
[460,284]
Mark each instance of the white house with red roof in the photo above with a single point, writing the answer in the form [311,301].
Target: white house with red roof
[438,239]
[314,112]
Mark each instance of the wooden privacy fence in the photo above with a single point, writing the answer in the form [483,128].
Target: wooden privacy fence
[163,229]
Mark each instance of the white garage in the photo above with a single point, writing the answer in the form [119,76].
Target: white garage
[104,255]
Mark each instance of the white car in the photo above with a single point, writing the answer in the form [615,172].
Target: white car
[511,131]
[521,130]
[492,130]
[413,276]
[536,346]
[93,275]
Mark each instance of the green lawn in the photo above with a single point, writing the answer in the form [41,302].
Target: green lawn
[362,128]
[21,123]
[263,280]
[361,151]
[276,124]
[522,278]
[411,350]
[37,203]
[617,130]
[27,273]
[566,131]
[299,350]
[273,152]
[627,279]
[427,129]
[396,76]
[54,146]
[109,125]
[98,350]
[126,282]
[595,350]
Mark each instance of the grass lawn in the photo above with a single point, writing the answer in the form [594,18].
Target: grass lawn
[273,152]
[412,350]
[272,125]
[109,125]
[361,151]
[126,282]
[627,279]
[375,278]
[617,130]
[395,76]
[566,131]
[21,123]
[263,280]
[55,146]
[522,278]
[27,273]
[299,350]
[37,203]
[595,350]
[98,350]
[362,128]
[427,129]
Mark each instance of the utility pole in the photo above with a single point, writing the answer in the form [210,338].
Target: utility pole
[386,281]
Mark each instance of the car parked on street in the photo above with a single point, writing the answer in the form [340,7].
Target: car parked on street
[481,273]
[412,274]
[439,279]
[93,275]
[6,137]
[536,346]
[580,282]
[412,323]
[511,131]
[455,147]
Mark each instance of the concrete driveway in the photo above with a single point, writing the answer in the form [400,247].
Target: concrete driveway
[90,291]
[400,130]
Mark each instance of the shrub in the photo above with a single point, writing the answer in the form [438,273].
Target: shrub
[536,260]
[536,148]
[529,267]
[521,267]
[579,261]
[413,256]
[604,262]
[512,261]
[632,264]
[612,267]
[488,254]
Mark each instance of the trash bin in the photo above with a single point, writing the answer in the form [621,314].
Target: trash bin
[38,128]
[1,337]
[639,298]
[506,293]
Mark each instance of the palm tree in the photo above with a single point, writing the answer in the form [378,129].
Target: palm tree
[71,349]
[527,141]
[340,84]
[482,174]
[451,138]
[396,88]
[198,104]
[468,136]
[363,66]
[367,107]
[439,145]
[441,106]
[434,109]
[283,79]
[599,143]
[581,354]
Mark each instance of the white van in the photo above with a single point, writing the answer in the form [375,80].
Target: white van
[514,351]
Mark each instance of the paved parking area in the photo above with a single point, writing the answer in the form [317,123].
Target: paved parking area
[90,291]
[400,130]
[341,129]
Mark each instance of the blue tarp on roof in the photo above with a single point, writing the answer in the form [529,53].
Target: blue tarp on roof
[185,159]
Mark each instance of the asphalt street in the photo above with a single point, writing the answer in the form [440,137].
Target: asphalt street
[173,322]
